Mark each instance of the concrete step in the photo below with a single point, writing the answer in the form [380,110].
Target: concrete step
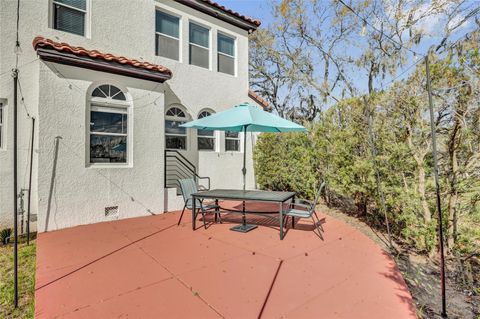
[173,201]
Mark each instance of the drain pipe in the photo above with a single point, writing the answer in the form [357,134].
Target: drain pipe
[30,181]
[15,186]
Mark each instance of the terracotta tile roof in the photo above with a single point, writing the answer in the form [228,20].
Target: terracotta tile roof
[40,42]
[257,98]
[234,13]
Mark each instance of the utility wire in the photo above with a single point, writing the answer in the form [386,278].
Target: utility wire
[134,107]
[376,29]
[23,98]
[98,172]
[18,67]
[17,42]
[402,73]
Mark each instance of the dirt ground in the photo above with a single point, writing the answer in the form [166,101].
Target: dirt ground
[422,275]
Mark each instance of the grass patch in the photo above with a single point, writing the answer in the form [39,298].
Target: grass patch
[26,281]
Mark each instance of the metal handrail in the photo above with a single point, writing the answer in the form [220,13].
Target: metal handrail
[183,157]
[179,160]
[185,162]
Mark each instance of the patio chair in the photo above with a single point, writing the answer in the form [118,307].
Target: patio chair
[303,208]
[189,187]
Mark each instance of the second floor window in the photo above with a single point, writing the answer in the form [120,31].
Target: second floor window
[70,16]
[199,46]
[167,36]
[205,138]
[226,54]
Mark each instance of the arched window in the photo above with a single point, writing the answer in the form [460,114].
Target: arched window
[205,138]
[175,136]
[109,129]
[109,91]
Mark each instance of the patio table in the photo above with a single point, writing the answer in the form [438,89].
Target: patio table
[245,195]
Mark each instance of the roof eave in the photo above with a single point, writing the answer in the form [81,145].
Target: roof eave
[51,55]
[254,96]
[216,13]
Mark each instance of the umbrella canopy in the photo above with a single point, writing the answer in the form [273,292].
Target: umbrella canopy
[244,117]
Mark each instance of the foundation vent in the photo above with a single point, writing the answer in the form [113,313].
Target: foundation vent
[111,211]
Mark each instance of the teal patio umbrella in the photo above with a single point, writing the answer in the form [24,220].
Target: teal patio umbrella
[244,118]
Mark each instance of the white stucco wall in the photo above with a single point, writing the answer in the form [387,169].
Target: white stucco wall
[72,192]
[121,27]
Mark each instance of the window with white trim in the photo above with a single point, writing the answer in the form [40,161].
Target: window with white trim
[225,54]
[109,129]
[205,138]
[199,46]
[175,136]
[232,141]
[2,132]
[167,35]
[70,16]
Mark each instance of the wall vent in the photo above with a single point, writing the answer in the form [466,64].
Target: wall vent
[111,211]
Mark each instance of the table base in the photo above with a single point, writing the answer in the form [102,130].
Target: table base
[244,228]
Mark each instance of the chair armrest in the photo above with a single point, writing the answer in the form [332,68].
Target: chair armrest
[208,180]
[301,206]
[302,201]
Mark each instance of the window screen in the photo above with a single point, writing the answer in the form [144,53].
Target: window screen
[199,46]
[167,32]
[69,16]
[226,54]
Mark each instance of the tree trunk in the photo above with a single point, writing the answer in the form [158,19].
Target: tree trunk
[427,215]
[454,141]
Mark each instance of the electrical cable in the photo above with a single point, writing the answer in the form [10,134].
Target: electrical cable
[375,28]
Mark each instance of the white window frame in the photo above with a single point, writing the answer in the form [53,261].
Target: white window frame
[176,119]
[213,136]
[109,105]
[235,59]
[238,138]
[3,131]
[180,32]
[87,13]
[201,46]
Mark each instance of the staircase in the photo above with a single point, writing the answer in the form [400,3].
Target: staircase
[179,167]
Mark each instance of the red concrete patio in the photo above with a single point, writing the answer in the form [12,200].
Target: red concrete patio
[149,267]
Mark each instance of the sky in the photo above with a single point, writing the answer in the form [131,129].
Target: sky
[258,9]
[262,10]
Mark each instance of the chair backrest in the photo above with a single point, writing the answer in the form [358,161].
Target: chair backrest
[319,193]
[189,187]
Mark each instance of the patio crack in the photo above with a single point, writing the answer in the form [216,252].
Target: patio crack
[184,284]
[102,257]
[270,289]
[81,307]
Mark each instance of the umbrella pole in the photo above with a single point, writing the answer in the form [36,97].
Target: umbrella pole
[244,170]
[244,227]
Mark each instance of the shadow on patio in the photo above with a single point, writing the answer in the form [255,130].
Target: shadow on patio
[150,268]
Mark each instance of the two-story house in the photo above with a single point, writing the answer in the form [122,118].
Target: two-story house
[108,83]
